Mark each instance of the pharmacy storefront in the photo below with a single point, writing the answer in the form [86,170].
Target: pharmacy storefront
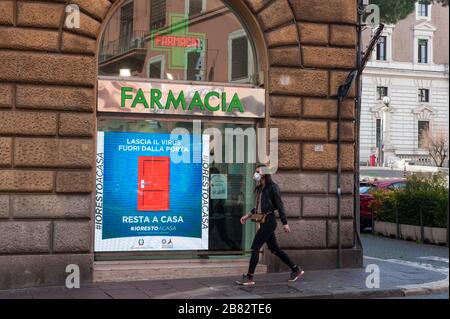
[129,140]
[175,160]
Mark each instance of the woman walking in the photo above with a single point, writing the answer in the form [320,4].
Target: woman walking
[268,199]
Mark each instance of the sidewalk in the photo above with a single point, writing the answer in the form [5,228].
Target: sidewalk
[396,280]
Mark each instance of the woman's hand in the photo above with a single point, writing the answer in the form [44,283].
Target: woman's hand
[244,219]
[287,229]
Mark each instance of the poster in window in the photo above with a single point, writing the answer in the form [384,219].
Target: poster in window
[152,192]
[219,186]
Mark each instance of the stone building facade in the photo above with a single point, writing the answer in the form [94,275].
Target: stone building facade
[48,118]
[418,88]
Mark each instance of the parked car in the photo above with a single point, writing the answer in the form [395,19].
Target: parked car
[365,197]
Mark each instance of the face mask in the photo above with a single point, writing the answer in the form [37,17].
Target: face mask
[257,177]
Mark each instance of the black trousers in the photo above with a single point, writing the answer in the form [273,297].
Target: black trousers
[266,234]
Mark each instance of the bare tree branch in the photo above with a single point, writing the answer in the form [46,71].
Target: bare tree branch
[436,143]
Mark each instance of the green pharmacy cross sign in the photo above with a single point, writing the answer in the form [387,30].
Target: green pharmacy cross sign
[177,41]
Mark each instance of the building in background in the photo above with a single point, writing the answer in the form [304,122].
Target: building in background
[405,87]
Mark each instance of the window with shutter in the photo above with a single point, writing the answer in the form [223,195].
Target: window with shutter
[239,58]
[157,14]
[195,7]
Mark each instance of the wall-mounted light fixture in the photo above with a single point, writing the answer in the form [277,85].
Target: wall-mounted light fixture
[125,72]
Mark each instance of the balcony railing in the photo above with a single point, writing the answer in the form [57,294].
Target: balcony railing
[420,160]
[123,45]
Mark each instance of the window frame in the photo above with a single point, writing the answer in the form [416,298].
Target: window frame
[378,133]
[187,6]
[419,51]
[236,35]
[122,41]
[418,11]
[202,56]
[419,132]
[165,17]
[428,97]
[378,55]
[378,98]
[159,58]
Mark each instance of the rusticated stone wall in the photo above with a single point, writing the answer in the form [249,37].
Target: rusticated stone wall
[47,131]
[312,47]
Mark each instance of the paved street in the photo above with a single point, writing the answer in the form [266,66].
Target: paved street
[430,258]
[406,270]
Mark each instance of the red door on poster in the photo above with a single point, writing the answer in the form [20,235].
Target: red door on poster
[153,183]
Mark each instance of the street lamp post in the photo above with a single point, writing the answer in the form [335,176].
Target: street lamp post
[385,127]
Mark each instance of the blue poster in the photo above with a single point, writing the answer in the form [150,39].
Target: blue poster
[152,192]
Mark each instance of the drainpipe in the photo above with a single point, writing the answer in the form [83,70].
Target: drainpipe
[361,62]
[338,183]
[356,203]
[342,94]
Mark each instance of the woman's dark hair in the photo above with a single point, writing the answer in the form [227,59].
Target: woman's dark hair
[267,178]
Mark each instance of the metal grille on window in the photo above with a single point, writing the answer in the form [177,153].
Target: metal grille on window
[157,14]
[239,63]
[126,26]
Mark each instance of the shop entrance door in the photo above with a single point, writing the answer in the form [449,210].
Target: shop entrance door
[154,183]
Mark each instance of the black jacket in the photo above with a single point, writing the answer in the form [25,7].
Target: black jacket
[271,201]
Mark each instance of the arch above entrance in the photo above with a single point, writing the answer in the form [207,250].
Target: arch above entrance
[197,40]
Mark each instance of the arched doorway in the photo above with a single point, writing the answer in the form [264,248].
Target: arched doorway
[165,66]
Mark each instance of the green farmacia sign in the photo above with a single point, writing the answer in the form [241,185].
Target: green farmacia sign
[134,97]
[212,101]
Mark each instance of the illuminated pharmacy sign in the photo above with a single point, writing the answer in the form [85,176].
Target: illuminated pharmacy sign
[180,99]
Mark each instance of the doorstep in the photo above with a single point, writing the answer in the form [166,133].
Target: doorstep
[139,270]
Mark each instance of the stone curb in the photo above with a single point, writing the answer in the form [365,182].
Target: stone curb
[338,294]
[364,294]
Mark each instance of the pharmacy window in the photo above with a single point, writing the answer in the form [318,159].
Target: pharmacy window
[191,37]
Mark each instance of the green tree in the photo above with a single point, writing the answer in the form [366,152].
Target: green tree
[392,11]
